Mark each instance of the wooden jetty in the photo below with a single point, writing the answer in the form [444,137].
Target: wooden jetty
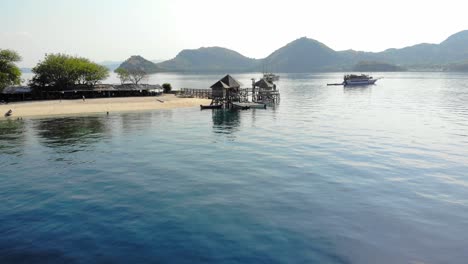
[227,93]
[195,93]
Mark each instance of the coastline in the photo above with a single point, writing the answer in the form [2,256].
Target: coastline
[98,105]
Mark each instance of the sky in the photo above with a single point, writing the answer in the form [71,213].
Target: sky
[113,30]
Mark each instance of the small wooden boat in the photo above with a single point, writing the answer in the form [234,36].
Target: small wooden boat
[246,106]
[202,107]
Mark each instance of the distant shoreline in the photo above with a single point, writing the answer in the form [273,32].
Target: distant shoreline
[102,105]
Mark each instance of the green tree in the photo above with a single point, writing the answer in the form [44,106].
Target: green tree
[123,75]
[134,76]
[167,87]
[137,75]
[91,73]
[60,72]
[10,74]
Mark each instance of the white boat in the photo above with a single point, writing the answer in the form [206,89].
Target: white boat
[363,79]
[271,77]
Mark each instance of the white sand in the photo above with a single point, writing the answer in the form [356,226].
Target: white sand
[102,105]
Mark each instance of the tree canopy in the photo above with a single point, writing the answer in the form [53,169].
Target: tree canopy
[10,74]
[167,87]
[137,75]
[61,72]
[133,76]
[123,75]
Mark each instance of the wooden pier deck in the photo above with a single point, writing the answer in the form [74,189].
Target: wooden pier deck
[196,93]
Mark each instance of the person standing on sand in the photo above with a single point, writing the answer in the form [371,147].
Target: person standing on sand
[7,114]
[83,98]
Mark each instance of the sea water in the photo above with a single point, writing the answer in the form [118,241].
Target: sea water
[375,174]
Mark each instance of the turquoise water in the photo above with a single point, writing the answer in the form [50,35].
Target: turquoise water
[332,175]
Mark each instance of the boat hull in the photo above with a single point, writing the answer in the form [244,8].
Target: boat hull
[360,82]
[203,107]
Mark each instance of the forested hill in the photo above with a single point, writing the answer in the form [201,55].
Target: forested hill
[308,55]
[138,63]
[211,59]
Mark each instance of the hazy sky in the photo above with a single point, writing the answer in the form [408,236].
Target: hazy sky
[158,29]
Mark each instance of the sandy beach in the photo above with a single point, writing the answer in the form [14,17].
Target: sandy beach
[101,105]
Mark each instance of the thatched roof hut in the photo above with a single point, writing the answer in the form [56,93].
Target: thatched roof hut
[227,82]
[264,84]
[226,87]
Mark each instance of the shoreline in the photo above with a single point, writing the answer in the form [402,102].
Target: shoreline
[98,105]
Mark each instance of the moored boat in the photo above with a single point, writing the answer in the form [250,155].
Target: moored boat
[219,106]
[363,79]
[271,77]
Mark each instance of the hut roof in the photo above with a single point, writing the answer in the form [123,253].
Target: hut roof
[135,87]
[263,83]
[226,82]
[17,90]
[219,84]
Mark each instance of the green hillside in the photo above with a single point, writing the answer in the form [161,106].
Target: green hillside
[211,59]
[139,63]
[308,55]
[304,55]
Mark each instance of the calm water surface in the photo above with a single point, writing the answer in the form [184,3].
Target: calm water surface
[332,175]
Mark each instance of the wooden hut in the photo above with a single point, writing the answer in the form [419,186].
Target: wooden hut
[226,90]
[264,84]
[265,91]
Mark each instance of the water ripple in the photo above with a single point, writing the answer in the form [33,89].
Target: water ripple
[332,175]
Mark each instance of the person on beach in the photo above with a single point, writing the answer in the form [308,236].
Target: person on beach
[7,114]
[83,98]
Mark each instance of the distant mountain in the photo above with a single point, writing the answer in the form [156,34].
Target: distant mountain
[140,63]
[303,55]
[456,44]
[454,48]
[308,55]
[454,51]
[211,59]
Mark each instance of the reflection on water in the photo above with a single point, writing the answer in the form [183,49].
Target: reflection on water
[135,122]
[69,131]
[357,89]
[12,136]
[225,121]
[10,254]
[333,175]
[453,96]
